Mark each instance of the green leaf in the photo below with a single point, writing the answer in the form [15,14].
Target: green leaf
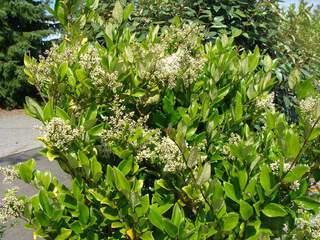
[267,63]
[246,210]
[253,59]
[120,180]
[305,89]
[243,178]
[65,233]
[41,218]
[48,111]
[44,203]
[168,102]
[147,236]
[230,191]
[156,219]
[128,10]
[96,169]
[144,206]
[274,210]
[238,108]
[63,68]
[83,213]
[117,12]
[26,170]
[291,144]
[33,109]
[125,166]
[96,130]
[265,179]
[308,203]
[76,227]
[177,215]
[294,78]
[230,221]
[296,173]
[205,174]
[62,114]
[27,60]
[170,228]
[90,117]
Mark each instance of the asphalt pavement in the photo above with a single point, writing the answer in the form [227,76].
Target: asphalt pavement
[17,144]
[18,132]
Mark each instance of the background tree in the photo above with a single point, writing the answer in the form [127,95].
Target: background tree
[24,26]
[255,22]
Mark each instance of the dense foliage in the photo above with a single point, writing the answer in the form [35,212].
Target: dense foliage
[255,21]
[23,27]
[166,137]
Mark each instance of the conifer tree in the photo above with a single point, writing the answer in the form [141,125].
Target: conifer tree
[24,28]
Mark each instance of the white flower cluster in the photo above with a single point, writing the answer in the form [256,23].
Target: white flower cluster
[179,65]
[187,37]
[295,186]
[266,102]
[9,174]
[89,61]
[309,227]
[275,167]
[170,155]
[315,227]
[59,134]
[168,68]
[154,148]
[101,79]
[122,124]
[310,109]
[10,206]
[54,58]
[234,138]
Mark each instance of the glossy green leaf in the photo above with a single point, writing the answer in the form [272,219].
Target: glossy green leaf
[48,111]
[120,180]
[44,203]
[156,219]
[177,215]
[274,210]
[308,203]
[83,213]
[265,178]
[296,173]
[26,170]
[230,221]
[230,191]
[64,234]
[128,10]
[246,210]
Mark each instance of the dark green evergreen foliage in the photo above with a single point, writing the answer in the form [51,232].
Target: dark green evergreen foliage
[256,20]
[23,26]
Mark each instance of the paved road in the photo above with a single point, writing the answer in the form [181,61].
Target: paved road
[17,132]
[18,232]
[18,143]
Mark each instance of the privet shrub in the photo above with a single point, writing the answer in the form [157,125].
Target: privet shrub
[297,48]
[167,138]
